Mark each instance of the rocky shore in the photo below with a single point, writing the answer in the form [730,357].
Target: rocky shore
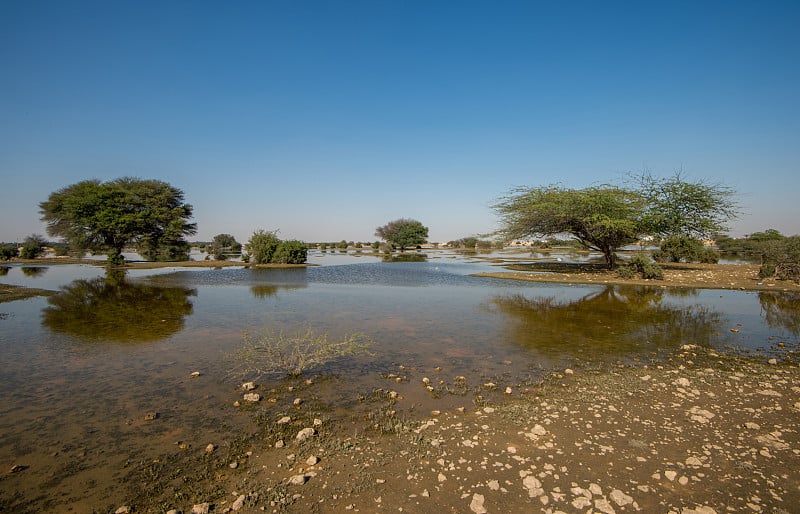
[700,433]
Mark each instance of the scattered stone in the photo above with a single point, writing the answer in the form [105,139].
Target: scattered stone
[305,434]
[279,443]
[284,420]
[752,426]
[16,468]
[533,485]
[252,397]
[233,465]
[317,422]
[508,390]
[195,373]
[248,386]
[773,361]
[682,382]
[312,461]
[297,402]
[201,508]
[210,448]
[670,475]
[476,505]
[620,498]
[298,479]
[238,503]
[237,404]
[123,510]
[568,371]
[494,485]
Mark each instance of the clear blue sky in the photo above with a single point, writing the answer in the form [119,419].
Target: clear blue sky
[328,119]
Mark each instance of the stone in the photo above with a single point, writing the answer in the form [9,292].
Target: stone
[252,397]
[279,443]
[297,402]
[150,416]
[312,461]
[533,485]
[620,498]
[239,503]
[305,434]
[476,505]
[248,386]
[233,465]
[123,510]
[284,420]
[210,448]
[298,479]
[201,508]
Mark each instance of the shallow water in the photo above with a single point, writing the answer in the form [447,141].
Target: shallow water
[80,371]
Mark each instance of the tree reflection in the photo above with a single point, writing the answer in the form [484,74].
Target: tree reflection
[405,257]
[33,271]
[614,320]
[111,309]
[266,291]
[781,310]
[4,270]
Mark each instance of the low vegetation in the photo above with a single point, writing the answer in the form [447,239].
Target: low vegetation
[779,255]
[264,247]
[277,354]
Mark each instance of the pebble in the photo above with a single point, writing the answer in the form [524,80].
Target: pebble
[201,508]
[252,397]
[284,420]
[298,479]
[305,434]
[210,448]
[195,373]
[476,505]
[248,386]
[312,461]
[123,510]
[297,402]
[239,503]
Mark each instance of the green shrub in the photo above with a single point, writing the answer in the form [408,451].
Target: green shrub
[642,265]
[652,271]
[7,252]
[626,272]
[709,256]
[32,247]
[682,248]
[290,252]
[261,246]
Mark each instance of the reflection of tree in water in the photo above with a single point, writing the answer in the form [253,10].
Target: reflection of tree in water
[781,310]
[33,271]
[113,309]
[613,320]
[266,291]
[405,257]
[4,270]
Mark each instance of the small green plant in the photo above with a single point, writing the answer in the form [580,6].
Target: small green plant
[640,264]
[32,247]
[290,252]
[7,252]
[274,354]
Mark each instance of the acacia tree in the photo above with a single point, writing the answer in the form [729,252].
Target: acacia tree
[605,218]
[601,218]
[223,243]
[108,216]
[403,233]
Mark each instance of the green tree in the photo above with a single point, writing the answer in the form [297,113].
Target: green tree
[8,252]
[676,207]
[222,244]
[32,247]
[108,216]
[261,246]
[290,252]
[601,218]
[403,233]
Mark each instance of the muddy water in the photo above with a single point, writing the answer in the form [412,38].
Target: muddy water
[80,372]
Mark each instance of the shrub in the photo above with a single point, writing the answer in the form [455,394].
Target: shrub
[781,259]
[278,354]
[32,247]
[7,252]
[261,246]
[681,248]
[642,265]
[290,252]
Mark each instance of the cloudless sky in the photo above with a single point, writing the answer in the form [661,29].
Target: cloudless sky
[328,119]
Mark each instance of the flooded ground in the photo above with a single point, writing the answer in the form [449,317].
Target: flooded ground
[100,379]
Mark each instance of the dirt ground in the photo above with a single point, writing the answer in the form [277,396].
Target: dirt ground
[697,433]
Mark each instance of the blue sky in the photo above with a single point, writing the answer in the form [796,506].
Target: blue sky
[328,119]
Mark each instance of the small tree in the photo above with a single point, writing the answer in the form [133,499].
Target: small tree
[403,233]
[261,246]
[222,244]
[32,247]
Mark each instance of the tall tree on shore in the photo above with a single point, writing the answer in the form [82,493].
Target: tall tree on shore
[108,216]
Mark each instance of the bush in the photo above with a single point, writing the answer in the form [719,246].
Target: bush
[32,247]
[640,264]
[681,248]
[290,252]
[261,246]
[7,252]
[781,259]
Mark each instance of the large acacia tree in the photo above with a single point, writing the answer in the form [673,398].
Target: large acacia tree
[108,216]
[403,233]
[605,218]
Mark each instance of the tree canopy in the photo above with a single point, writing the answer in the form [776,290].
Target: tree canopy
[403,233]
[108,216]
[607,217]
[224,244]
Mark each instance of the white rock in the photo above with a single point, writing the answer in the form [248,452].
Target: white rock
[533,485]
[305,434]
[494,485]
[312,461]
[476,505]
[284,420]
[604,506]
[693,461]
[201,508]
[210,448]
[682,382]
[252,397]
[581,502]
[239,503]
[595,490]
[248,386]
[620,498]
[670,475]
[123,510]
[298,479]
